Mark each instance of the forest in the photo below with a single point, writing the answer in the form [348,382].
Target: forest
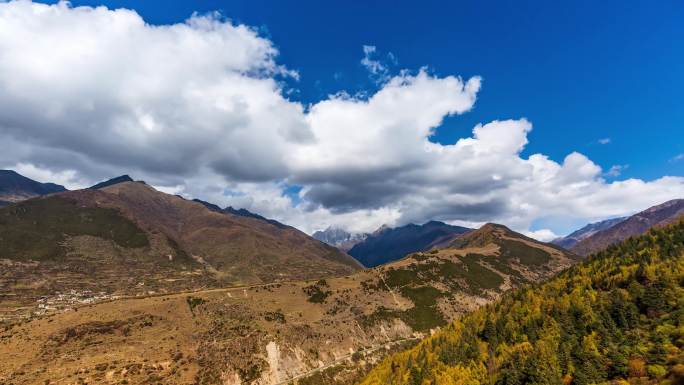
[617,318]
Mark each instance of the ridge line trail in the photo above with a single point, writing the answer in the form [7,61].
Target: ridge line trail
[342,359]
[394,296]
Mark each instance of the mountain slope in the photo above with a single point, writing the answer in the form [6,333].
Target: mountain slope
[616,318]
[319,332]
[539,259]
[15,187]
[389,244]
[637,224]
[229,242]
[339,238]
[475,269]
[585,232]
[128,238]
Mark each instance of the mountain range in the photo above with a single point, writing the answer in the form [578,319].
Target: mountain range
[121,283]
[576,236]
[386,243]
[637,224]
[339,237]
[389,244]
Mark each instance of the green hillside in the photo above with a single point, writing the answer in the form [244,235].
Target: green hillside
[36,229]
[617,318]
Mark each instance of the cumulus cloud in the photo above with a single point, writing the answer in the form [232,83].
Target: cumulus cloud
[165,99]
[198,108]
[544,235]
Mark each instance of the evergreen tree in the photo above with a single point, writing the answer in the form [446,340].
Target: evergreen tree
[618,316]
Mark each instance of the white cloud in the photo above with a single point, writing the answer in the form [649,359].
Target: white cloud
[544,235]
[616,170]
[677,158]
[604,141]
[197,108]
[66,178]
[377,69]
[166,99]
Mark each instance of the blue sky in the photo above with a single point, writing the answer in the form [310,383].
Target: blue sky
[580,71]
[201,106]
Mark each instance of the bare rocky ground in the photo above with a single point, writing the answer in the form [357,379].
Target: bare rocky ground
[226,336]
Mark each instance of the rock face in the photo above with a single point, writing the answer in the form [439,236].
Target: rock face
[585,232]
[16,188]
[389,244]
[637,224]
[339,238]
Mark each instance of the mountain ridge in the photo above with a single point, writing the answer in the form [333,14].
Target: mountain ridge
[387,244]
[637,224]
[15,187]
[240,212]
[339,237]
[111,182]
[592,228]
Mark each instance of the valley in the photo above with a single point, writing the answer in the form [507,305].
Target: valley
[121,283]
[184,324]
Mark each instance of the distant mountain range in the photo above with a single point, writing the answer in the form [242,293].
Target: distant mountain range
[389,244]
[637,224]
[15,187]
[339,238]
[585,232]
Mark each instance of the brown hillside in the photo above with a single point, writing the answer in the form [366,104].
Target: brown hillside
[129,239]
[318,332]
